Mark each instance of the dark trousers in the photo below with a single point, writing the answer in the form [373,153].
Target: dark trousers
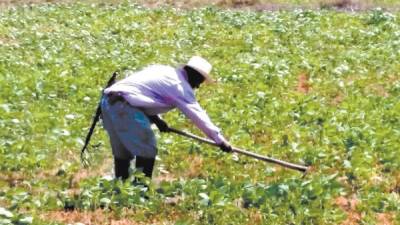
[144,164]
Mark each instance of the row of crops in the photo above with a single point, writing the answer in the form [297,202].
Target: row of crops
[320,88]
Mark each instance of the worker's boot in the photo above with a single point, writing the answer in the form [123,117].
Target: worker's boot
[122,168]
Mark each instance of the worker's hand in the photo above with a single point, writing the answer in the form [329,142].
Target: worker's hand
[162,125]
[225,146]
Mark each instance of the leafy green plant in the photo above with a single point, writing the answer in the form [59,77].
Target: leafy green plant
[315,87]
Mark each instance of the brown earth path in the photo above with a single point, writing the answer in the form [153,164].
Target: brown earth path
[259,5]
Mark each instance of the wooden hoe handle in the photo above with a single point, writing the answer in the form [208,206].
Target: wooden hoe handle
[244,152]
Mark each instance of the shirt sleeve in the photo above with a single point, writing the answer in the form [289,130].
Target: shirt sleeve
[199,117]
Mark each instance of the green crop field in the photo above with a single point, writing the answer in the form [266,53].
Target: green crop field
[319,88]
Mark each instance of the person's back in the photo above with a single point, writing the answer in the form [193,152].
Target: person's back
[154,89]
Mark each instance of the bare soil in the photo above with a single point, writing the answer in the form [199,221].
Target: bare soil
[349,206]
[258,5]
[86,217]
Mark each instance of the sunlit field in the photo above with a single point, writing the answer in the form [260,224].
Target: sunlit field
[318,88]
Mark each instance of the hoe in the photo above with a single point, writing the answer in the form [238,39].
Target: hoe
[244,152]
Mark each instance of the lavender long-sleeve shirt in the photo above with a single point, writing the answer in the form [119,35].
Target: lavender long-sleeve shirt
[158,89]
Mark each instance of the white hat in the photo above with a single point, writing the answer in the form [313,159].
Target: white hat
[202,66]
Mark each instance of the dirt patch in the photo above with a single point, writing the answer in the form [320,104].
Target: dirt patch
[303,84]
[377,89]
[8,41]
[86,217]
[258,5]
[104,169]
[196,167]
[23,178]
[340,4]
[348,205]
[165,176]
[13,179]
[125,216]
[338,99]
[384,219]
[256,217]
[272,5]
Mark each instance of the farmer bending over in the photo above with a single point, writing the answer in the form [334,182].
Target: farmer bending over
[132,104]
